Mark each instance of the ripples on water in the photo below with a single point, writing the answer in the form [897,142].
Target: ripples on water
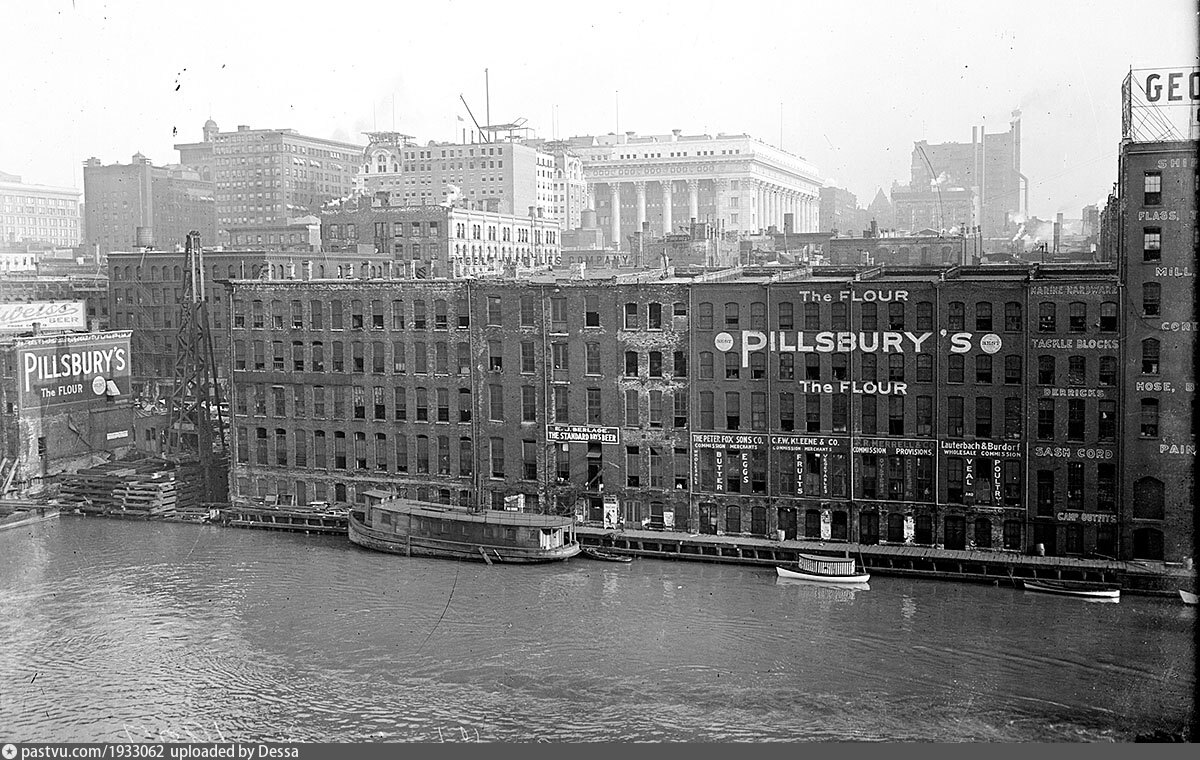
[119,630]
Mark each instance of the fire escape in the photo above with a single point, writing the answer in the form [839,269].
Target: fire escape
[196,435]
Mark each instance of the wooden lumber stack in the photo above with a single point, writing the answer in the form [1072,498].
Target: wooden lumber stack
[145,488]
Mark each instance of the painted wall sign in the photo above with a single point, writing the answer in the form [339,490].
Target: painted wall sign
[874,387]
[1174,272]
[1066,452]
[1002,449]
[50,315]
[808,443]
[72,368]
[1085,517]
[825,342]
[1159,386]
[728,441]
[1158,216]
[893,446]
[1075,393]
[1076,344]
[1178,326]
[865,296]
[1175,448]
[1089,289]
[582,434]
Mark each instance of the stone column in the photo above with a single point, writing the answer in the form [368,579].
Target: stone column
[760,194]
[615,230]
[693,186]
[589,201]
[719,187]
[666,206]
[640,187]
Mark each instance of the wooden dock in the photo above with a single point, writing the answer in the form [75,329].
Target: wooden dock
[1005,568]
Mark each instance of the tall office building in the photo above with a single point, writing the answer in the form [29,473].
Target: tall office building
[137,205]
[38,213]
[264,177]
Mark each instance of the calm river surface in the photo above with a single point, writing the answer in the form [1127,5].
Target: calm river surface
[113,630]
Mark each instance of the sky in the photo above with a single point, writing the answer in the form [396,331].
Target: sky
[848,85]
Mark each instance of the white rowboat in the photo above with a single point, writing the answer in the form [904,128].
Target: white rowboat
[1067,588]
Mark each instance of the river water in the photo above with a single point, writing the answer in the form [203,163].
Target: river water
[112,630]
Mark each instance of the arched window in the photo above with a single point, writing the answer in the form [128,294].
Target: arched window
[983,533]
[758,316]
[957,316]
[732,316]
[1012,316]
[1108,317]
[705,316]
[1148,499]
[733,519]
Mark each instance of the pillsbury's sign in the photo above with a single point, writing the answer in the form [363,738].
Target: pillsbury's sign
[825,342]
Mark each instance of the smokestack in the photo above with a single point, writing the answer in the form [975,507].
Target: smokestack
[1058,223]
[874,229]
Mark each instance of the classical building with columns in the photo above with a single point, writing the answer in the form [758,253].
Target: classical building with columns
[736,182]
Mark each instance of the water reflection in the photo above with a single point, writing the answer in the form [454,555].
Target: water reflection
[167,629]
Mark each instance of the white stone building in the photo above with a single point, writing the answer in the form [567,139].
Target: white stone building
[736,182]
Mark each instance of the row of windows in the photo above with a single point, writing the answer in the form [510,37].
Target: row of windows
[895,314]
[294,314]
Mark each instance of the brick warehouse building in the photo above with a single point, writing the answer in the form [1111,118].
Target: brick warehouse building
[970,407]
[145,288]
[1157,260]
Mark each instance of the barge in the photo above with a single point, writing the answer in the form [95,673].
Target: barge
[423,529]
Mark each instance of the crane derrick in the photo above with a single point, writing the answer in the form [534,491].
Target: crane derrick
[197,429]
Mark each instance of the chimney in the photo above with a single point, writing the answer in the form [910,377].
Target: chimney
[789,219]
[874,229]
[675,134]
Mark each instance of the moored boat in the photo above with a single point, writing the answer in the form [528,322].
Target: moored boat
[824,569]
[422,529]
[1080,589]
[594,553]
[1188,597]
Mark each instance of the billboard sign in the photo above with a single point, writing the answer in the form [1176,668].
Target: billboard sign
[72,369]
[48,315]
[1161,104]
[582,434]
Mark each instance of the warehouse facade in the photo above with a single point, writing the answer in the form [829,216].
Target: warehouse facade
[965,408]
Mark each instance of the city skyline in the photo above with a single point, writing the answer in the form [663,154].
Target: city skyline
[1062,68]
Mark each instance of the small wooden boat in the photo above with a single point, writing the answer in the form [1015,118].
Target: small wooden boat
[594,553]
[1079,589]
[1188,597]
[824,569]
